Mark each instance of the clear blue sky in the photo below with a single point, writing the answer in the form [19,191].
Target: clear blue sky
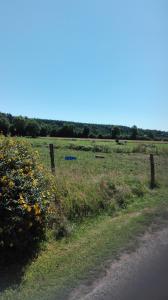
[100,61]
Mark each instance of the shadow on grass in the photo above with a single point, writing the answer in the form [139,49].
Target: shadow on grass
[13,264]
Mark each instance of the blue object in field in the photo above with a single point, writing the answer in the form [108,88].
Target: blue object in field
[70,158]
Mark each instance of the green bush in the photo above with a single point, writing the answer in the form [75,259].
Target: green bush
[57,221]
[145,148]
[23,196]
[94,148]
[83,198]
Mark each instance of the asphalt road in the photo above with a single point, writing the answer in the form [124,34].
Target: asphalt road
[140,275]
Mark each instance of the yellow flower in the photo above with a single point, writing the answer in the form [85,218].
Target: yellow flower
[36,152]
[35,182]
[11,184]
[43,195]
[37,209]
[21,171]
[21,199]
[25,205]
[31,173]
[4,178]
[29,208]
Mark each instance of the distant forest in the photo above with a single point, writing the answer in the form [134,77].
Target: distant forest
[23,126]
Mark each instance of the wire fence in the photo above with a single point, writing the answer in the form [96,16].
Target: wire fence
[66,162]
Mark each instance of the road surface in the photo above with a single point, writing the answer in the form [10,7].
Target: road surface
[140,275]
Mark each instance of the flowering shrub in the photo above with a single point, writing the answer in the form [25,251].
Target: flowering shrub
[23,195]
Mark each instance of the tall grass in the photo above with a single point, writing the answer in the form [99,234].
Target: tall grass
[90,185]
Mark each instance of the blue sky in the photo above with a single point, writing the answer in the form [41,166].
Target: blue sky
[99,61]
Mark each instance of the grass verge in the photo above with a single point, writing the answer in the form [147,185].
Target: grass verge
[62,264]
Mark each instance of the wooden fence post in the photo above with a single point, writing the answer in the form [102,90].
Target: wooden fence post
[51,146]
[152,167]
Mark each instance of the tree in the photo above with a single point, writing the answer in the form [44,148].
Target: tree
[4,125]
[19,125]
[32,128]
[150,134]
[134,132]
[115,133]
[67,131]
[86,132]
[12,130]
[54,132]
[44,131]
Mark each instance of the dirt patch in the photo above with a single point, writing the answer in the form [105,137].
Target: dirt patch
[130,271]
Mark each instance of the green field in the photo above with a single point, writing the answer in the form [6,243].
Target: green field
[88,184]
[85,150]
[107,203]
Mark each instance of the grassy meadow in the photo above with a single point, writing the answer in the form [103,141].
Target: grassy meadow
[107,203]
[88,184]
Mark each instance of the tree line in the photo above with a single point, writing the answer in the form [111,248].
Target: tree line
[23,126]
